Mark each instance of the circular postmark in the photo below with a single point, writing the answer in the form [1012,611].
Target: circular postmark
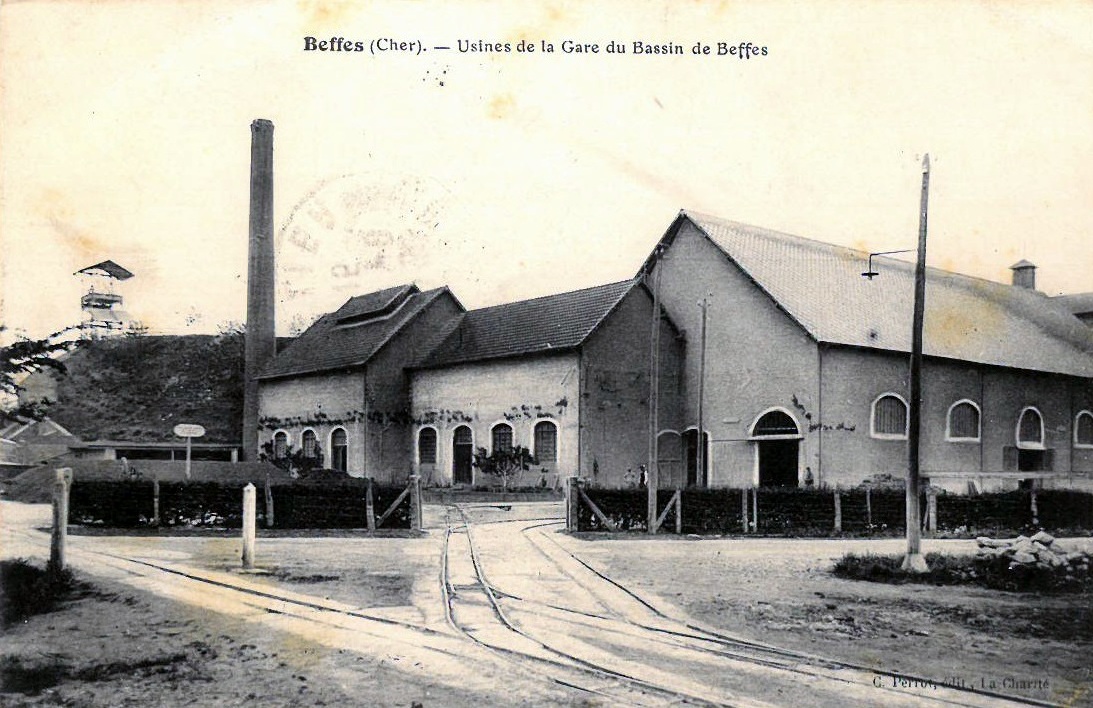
[354,234]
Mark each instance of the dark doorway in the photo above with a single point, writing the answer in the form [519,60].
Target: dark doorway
[778,463]
[777,455]
[690,455]
[462,454]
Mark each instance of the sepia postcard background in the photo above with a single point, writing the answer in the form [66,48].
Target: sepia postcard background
[506,175]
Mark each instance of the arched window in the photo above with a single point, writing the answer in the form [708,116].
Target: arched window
[1030,430]
[307,443]
[889,417]
[280,445]
[775,423]
[426,446]
[339,450]
[1083,429]
[501,437]
[962,424]
[546,442]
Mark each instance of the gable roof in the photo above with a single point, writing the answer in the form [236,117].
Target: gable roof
[353,334]
[820,286]
[544,324]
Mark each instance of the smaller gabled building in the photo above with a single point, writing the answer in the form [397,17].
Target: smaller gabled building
[340,391]
[566,376]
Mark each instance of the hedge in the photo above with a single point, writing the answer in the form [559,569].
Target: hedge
[811,512]
[299,504]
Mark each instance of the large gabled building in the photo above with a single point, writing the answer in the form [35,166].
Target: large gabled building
[806,375]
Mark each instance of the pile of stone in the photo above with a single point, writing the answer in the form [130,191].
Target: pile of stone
[1039,550]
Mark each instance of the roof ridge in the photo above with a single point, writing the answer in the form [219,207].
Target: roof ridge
[553,295]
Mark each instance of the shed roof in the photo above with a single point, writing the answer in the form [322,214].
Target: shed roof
[541,325]
[352,334]
[820,286]
[1078,303]
[108,268]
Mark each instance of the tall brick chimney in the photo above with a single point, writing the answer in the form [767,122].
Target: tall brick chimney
[1024,274]
[260,340]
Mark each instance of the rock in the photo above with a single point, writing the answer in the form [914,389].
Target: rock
[1044,537]
[1023,557]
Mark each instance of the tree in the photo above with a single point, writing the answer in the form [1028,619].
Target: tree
[504,463]
[293,461]
[19,359]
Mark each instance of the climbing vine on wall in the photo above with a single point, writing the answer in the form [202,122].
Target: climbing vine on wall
[813,427]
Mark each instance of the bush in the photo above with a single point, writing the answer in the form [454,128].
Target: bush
[996,573]
[27,590]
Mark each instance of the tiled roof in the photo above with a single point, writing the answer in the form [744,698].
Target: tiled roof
[351,335]
[545,324]
[821,287]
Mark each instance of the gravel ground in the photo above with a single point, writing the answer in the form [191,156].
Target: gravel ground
[780,591]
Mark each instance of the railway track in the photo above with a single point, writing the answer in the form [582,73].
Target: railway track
[625,619]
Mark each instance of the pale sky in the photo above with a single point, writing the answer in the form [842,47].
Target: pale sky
[124,134]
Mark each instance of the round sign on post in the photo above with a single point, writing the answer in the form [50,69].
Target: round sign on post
[189,431]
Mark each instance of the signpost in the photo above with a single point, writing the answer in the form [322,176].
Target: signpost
[189,431]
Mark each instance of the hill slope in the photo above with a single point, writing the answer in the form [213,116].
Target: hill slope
[139,388]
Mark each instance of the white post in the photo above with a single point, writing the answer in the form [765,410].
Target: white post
[188,441]
[249,495]
[60,521]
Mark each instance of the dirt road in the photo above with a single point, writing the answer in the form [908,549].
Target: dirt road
[506,610]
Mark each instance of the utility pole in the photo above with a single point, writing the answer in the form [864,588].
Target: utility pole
[652,474]
[914,561]
[700,456]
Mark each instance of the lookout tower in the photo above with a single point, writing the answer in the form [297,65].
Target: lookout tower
[100,303]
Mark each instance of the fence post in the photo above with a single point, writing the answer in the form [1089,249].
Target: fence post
[155,502]
[415,502]
[931,510]
[249,530]
[679,511]
[369,505]
[571,502]
[838,511]
[755,509]
[1034,508]
[744,509]
[269,503]
[869,508]
[59,539]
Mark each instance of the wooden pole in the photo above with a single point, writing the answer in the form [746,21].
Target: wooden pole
[369,505]
[744,509]
[838,511]
[914,561]
[571,511]
[652,473]
[249,526]
[59,539]
[700,457]
[189,441]
[868,507]
[754,510]
[415,502]
[155,502]
[679,511]
[269,504]
[931,510]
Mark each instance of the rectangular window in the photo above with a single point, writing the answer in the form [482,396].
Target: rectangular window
[546,443]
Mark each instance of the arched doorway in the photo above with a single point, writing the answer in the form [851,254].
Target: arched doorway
[462,455]
[779,440]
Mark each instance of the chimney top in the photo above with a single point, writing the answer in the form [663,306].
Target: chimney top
[1024,274]
[262,124]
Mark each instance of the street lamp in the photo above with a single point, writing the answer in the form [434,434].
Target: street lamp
[914,561]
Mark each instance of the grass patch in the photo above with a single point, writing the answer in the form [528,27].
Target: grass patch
[27,590]
[996,573]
